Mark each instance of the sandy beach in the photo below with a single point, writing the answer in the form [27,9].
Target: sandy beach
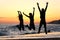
[41,36]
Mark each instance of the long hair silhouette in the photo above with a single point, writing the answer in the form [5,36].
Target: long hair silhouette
[21,25]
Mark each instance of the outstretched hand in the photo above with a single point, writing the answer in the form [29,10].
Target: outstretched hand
[37,3]
[34,8]
[23,12]
[47,3]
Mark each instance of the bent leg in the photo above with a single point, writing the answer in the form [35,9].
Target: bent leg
[22,27]
[19,27]
[29,28]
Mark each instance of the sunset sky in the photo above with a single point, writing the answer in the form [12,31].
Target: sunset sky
[9,8]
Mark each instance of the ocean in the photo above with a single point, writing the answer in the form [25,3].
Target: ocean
[11,29]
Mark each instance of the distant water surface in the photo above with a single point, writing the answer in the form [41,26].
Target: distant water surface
[11,29]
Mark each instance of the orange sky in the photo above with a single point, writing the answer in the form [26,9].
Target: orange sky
[8,10]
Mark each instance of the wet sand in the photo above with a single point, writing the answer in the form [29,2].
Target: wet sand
[41,36]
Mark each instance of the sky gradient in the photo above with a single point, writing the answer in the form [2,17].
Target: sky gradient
[9,8]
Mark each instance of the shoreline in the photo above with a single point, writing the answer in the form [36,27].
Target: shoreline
[41,36]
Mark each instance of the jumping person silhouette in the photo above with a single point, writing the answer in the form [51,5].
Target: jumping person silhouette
[31,17]
[21,25]
[42,16]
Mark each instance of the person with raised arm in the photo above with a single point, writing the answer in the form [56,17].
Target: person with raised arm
[31,17]
[21,25]
[42,16]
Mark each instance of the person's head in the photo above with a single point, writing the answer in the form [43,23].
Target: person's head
[30,14]
[42,9]
[19,12]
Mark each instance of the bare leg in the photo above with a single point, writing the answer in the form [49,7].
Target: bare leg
[19,27]
[45,28]
[40,27]
[23,28]
[33,27]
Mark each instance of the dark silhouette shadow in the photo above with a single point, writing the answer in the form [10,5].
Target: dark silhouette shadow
[21,25]
[31,17]
[27,27]
[42,16]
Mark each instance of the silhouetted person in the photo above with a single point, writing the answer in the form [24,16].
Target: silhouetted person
[21,25]
[42,16]
[31,17]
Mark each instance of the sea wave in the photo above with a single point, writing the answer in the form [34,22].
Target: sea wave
[11,29]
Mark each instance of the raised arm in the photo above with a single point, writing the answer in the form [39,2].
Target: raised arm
[46,6]
[38,6]
[25,14]
[33,10]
